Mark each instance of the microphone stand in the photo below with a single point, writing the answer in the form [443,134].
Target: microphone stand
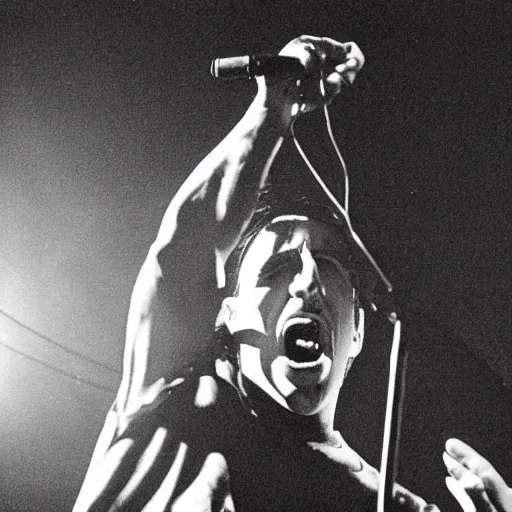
[393,419]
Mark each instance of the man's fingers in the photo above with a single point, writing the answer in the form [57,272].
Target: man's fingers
[470,483]
[460,494]
[336,53]
[344,74]
[339,52]
[326,47]
[459,471]
[472,460]
[356,54]
[348,70]
[466,455]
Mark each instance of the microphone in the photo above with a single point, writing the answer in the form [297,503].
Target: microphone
[249,66]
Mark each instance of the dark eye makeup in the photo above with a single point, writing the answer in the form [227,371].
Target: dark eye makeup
[276,262]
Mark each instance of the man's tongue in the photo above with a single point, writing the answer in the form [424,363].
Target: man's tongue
[302,341]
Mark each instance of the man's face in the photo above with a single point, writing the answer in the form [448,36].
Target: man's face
[295,314]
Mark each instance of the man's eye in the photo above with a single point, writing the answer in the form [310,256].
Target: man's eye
[280,262]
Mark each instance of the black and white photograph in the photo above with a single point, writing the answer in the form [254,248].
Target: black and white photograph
[255,256]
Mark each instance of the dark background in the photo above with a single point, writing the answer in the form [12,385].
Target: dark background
[106,106]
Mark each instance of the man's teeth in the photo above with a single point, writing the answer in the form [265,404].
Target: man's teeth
[310,345]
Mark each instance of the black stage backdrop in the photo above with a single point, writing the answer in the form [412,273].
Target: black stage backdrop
[106,106]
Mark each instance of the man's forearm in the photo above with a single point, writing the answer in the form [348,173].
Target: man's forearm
[217,200]
[251,148]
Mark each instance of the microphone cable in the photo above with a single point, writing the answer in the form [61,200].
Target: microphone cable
[342,210]
[398,355]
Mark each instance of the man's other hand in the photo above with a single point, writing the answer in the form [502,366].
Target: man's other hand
[473,481]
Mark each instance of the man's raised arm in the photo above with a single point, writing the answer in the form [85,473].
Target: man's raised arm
[175,299]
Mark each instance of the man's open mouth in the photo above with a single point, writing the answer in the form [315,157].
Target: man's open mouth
[302,340]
